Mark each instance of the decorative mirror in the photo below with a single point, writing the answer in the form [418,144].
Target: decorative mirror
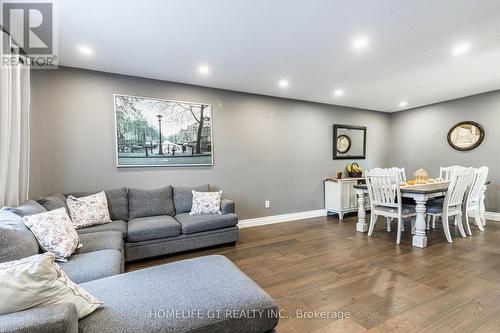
[343,144]
[465,135]
[349,142]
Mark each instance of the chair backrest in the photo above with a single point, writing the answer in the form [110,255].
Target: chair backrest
[478,179]
[445,172]
[401,173]
[383,187]
[459,181]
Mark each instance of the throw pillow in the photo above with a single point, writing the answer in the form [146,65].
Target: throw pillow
[206,203]
[88,211]
[54,232]
[37,281]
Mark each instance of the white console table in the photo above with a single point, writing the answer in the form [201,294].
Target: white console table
[340,196]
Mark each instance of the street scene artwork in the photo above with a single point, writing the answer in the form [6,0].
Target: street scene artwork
[158,132]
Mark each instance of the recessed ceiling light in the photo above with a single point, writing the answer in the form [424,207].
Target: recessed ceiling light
[403,104]
[85,50]
[338,92]
[360,43]
[283,83]
[461,48]
[204,69]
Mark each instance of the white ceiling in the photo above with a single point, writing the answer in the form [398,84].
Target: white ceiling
[250,45]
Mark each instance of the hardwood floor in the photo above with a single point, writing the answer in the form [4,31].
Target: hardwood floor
[324,265]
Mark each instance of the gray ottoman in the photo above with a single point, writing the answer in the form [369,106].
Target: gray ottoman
[208,294]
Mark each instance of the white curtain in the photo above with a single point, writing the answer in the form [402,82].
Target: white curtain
[14,132]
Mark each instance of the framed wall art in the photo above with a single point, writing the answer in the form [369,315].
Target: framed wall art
[154,132]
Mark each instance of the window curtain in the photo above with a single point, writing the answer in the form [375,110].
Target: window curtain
[14,131]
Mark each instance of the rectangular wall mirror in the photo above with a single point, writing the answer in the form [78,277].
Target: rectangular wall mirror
[349,142]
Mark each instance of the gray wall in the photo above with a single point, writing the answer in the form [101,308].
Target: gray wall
[265,148]
[419,138]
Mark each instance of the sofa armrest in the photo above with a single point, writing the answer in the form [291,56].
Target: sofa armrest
[44,319]
[227,206]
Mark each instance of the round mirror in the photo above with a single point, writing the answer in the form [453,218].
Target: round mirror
[465,135]
[343,144]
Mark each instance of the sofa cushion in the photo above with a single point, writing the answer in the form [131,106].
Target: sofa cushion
[196,223]
[53,201]
[183,197]
[117,202]
[93,265]
[42,319]
[29,207]
[212,285]
[142,203]
[97,241]
[152,227]
[16,240]
[117,225]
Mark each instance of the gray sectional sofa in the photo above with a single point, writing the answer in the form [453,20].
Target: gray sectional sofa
[207,294]
[157,222]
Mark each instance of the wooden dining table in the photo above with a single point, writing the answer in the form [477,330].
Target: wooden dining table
[420,193]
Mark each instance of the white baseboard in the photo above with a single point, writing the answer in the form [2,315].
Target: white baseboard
[281,218]
[492,216]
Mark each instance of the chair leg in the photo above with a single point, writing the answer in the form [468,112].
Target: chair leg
[398,237]
[428,222]
[467,224]
[477,218]
[434,222]
[373,220]
[458,222]
[413,219]
[402,225]
[446,228]
[388,221]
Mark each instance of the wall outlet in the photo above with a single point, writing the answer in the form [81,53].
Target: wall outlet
[267,203]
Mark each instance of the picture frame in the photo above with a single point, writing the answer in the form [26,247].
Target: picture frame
[157,132]
[465,136]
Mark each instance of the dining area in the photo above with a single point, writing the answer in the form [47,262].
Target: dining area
[453,199]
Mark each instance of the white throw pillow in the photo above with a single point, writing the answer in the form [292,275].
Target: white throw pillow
[206,203]
[38,280]
[54,232]
[88,211]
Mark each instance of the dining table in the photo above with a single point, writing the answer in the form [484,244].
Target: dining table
[420,193]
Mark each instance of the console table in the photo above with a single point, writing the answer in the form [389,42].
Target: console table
[340,196]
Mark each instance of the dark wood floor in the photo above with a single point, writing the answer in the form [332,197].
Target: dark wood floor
[321,264]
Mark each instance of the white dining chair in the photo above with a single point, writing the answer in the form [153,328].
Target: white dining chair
[474,197]
[445,172]
[385,199]
[453,201]
[401,173]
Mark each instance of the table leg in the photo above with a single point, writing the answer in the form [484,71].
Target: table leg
[420,239]
[361,226]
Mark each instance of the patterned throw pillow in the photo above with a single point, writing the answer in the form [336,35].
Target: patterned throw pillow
[54,232]
[88,211]
[206,203]
[43,282]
